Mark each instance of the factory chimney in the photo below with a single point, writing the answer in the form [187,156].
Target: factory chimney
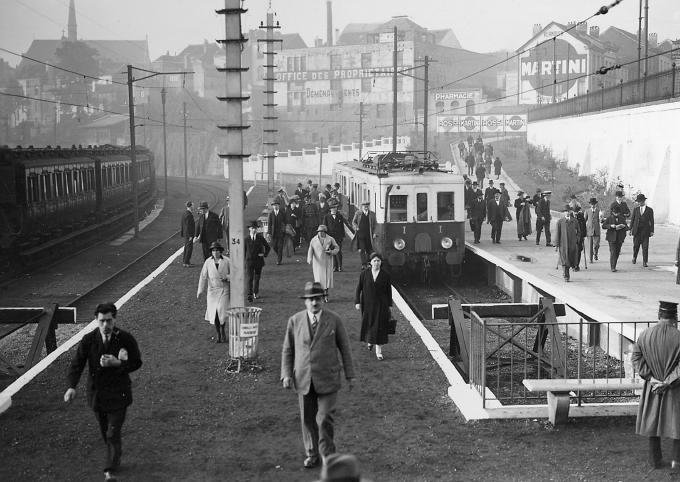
[329,23]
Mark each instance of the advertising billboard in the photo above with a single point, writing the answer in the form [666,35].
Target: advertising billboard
[473,124]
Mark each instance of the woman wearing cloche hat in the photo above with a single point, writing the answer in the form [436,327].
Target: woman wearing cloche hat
[322,248]
[214,280]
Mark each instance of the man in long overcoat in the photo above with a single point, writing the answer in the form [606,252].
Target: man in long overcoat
[111,354]
[322,249]
[364,224]
[256,249]
[543,218]
[656,356]
[642,228]
[335,223]
[310,219]
[477,215]
[276,229]
[187,231]
[209,228]
[310,364]
[593,230]
[496,214]
[566,241]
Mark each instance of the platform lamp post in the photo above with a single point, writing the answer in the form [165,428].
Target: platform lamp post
[133,154]
[165,144]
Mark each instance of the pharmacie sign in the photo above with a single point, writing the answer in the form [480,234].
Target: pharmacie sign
[335,74]
[457,95]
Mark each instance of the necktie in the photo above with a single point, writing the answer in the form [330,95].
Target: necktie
[106,342]
[315,323]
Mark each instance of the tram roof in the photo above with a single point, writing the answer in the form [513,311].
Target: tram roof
[435,176]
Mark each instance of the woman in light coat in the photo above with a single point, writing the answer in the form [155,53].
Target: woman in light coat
[215,280]
[322,249]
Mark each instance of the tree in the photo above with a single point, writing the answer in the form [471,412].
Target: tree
[78,57]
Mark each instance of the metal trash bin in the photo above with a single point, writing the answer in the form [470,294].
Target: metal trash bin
[244,324]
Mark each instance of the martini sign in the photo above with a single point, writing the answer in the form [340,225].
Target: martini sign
[563,59]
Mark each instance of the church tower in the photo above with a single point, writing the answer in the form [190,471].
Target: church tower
[72,27]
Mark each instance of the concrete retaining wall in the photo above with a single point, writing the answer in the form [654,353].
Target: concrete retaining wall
[640,146]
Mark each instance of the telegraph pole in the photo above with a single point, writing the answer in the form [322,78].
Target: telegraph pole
[394,92]
[269,130]
[186,168]
[233,44]
[361,129]
[425,105]
[165,143]
[133,154]
[644,85]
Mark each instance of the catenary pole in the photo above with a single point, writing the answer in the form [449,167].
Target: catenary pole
[133,154]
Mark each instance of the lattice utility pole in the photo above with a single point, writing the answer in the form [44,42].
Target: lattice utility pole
[269,130]
[233,44]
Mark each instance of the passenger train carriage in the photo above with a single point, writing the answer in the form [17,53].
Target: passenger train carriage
[419,209]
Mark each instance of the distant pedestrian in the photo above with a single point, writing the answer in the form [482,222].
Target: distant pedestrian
[642,228]
[276,229]
[111,354]
[214,281]
[224,220]
[314,193]
[537,196]
[573,203]
[543,218]
[295,220]
[310,219]
[209,228]
[497,167]
[566,237]
[187,231]
[282,199]
[300,191]
[580,240]
[490,191]
[364,223]
[496,214]
[616,227]
[310,364]
[256,249]
[335,222]
[505,195]
[656,357]
[480,172]
[477,216]
[323,207]
[470,163]
[593,230]
[373,296]
[320,255]
[620,201]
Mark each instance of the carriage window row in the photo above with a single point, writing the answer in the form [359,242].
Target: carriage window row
[398,207]
[58,184]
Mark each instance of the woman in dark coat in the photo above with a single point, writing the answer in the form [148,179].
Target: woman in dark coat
[374,299]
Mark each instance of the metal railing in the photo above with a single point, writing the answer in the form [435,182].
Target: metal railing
[502,354]
[660,86]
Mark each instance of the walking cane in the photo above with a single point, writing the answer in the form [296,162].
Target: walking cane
[585,260]
[557,265]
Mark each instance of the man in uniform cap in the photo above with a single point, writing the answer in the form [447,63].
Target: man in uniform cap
[313,345]
[656,356]
[642,228]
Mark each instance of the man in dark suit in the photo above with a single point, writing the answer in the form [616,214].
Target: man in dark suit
[620,201]
[111,354]
[364,224]
[593,229]
[490,191]
[543,218]
[209,228]
[616,227]
[310,364]
[335,223]
[477,215]
[496,214]
[276,229]
[256,249]
[642,228]
[187,232]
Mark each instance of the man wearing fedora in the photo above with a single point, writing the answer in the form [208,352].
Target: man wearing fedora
[621,203]
[208,229]
[642,228]
[322,249]
[276,229]
[593,229]
[335,222]
[543,218]
[364,223]
[256,249]
[187,230]
[656,357]
[316,349]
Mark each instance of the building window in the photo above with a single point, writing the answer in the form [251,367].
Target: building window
[400,57]
[397,208]
[336,61]
[290,63]
[366,60]
[454,106]
[367,84]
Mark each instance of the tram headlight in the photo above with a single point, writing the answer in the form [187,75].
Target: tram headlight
[399,244]
[446,242]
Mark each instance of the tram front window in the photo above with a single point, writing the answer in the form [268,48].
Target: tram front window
[397,209]
[421,206]
[445,206]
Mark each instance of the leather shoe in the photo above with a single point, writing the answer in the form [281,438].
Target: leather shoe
[109,477]
[634,260]
[550,245]
[311,462]
[644,265]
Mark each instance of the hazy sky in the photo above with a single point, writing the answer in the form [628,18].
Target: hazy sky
[481,26]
